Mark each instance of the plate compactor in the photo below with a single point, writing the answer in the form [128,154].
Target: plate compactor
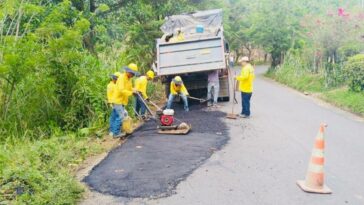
[166,120]
[166,126]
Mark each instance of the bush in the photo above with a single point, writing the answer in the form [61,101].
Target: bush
[40,172]
[295,73]
[349,50]
[48,80]
[354,69]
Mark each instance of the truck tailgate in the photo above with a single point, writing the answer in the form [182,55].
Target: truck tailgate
[190,56]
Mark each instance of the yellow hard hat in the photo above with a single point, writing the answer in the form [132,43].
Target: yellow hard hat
[133,67]
[177,80]
[150,74]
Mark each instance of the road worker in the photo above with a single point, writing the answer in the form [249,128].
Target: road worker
[111,87]
[178,88]
[124,89]
[231,61]
[141,87]
[213,88]
[245,79]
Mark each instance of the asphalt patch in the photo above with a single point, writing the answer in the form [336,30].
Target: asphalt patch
[149,164]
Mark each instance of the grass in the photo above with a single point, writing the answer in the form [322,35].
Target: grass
[314,83]
[42,172]
[353,101]
[304,82]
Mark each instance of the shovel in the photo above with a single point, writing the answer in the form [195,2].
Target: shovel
[155,105]
[146,105]
[198,99]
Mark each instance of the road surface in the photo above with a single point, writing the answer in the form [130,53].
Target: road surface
[267,153]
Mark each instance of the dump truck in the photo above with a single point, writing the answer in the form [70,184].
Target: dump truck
[202,49]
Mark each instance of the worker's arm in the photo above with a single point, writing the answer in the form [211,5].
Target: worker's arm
[244,74]
[172,89]
[184,90]
[124,90]
[109,93]
[143,88]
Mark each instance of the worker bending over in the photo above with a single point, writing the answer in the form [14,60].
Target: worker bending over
[177,88]
[141,87]
[123,91]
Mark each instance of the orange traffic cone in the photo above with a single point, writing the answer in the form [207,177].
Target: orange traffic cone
[314,181]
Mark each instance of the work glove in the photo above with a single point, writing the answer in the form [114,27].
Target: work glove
[135,91]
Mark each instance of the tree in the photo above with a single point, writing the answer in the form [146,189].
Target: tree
[275,27]
[238,27]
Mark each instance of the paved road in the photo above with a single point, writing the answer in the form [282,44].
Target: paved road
[270,151]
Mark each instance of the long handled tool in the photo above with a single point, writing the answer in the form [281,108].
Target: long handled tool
[232,115]
[193,98]
[137,114]
[198,99]
[155,105]
[145,104]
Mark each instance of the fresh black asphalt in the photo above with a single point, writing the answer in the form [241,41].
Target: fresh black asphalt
[149,164]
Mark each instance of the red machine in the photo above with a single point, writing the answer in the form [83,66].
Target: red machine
[166,118]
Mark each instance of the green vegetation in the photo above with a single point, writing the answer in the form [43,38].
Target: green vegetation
[292,73]
[314,83]
[40,172]
[347,95]
[350,100]
[354,69]
[325,56]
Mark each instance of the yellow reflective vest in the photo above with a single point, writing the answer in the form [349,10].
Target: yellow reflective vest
[246,79]
[123,90]
[111,92]
[178,89]
[141,86]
